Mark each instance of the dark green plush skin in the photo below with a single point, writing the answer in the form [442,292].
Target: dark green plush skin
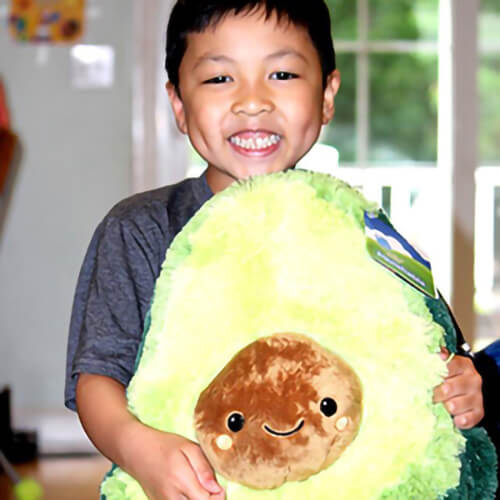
[479,460]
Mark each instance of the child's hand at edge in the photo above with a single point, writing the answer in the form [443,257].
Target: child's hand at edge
[461,391]
[167,466]
[174,468]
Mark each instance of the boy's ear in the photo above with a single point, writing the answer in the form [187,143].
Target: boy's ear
[332,86]
[177,107]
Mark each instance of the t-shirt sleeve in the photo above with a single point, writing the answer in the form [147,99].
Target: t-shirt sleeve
[112,297]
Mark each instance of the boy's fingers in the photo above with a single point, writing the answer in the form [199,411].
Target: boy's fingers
[469,419]
[444,353]
[457,386]
[462,379]
[194,491]
[459,365]
[461,405]
[187,483]
[218,496]
[467,409]
[464,382]
[202,469]
[446,391]
[456,364]
[460,392]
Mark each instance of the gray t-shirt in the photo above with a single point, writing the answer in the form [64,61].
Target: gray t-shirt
[117,279]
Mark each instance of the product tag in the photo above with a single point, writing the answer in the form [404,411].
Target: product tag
[387,247]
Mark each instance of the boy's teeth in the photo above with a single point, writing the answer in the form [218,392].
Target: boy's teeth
[258,143]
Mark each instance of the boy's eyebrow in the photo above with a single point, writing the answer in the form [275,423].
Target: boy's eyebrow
[226,59]
[212,58]
[287,52]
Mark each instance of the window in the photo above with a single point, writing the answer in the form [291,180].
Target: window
[489,82]
[487,242]
[387,106]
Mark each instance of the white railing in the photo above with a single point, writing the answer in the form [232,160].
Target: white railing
[487,179]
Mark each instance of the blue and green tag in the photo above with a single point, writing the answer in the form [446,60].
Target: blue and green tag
[387,247]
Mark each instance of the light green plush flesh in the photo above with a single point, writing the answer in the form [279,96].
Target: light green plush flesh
[286,253]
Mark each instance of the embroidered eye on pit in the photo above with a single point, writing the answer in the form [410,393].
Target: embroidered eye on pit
[328,407]
[235,421]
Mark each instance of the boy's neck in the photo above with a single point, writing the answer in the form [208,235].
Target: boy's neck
[217,180]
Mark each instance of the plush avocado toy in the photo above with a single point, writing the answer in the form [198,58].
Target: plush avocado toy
[302,366]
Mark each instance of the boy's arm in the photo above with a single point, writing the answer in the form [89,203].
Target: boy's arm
[166,465]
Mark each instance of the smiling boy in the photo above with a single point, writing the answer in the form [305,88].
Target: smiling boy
[251,84]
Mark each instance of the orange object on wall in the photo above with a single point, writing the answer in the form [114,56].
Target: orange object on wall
[49,21]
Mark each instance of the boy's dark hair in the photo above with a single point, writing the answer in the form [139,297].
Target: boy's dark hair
[195,16]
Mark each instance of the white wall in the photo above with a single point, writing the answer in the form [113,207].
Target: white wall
[76,163]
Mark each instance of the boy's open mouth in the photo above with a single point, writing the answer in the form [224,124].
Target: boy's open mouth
[250,142]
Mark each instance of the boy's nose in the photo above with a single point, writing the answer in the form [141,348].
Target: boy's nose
[252,102]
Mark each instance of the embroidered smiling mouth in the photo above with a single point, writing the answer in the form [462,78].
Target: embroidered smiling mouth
[284,433]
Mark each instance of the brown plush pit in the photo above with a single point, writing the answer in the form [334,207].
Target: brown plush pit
[282,409]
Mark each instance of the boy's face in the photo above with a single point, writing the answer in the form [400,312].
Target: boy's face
[251,96]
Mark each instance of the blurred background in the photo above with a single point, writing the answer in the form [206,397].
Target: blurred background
[416,128]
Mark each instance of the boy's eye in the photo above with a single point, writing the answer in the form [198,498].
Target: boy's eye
[219,79]
[283,75]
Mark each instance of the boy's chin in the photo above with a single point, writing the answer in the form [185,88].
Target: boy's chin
[219,178]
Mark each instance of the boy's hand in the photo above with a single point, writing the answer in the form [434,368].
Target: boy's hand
[174,468]
[461,391]
[167,466]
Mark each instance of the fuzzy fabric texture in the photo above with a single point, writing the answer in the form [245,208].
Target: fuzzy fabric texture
[287,253]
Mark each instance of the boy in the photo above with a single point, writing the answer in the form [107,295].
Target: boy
[251,83]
